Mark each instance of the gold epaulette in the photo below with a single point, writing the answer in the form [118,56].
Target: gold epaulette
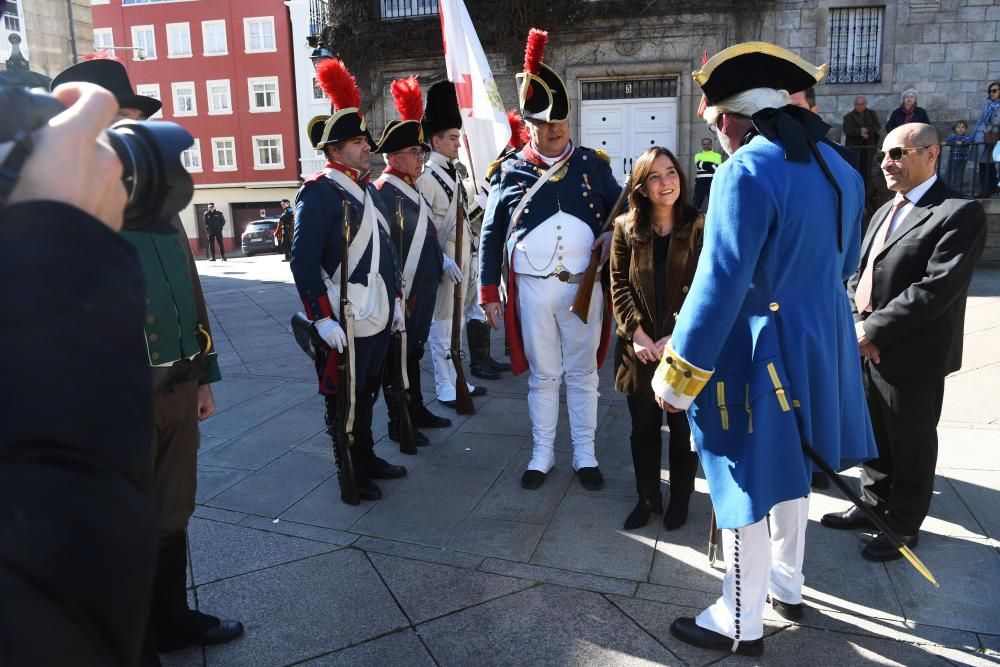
[492,169]
[679,376]
[603,155]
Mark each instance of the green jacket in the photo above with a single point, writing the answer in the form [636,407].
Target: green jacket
[178,337]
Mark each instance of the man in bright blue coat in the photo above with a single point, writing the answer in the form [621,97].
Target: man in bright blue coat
[763,355]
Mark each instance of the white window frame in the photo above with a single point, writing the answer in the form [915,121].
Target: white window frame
[151,90]
[99,2]
[225,39]
[263,20]
[142,53]
[318,94]
[170,45]
[253,96]
[209,96]
[215,154]
[194,151]
[257,165]
[107,41]
[194,98]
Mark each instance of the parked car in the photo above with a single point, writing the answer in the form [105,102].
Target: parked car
[259,237]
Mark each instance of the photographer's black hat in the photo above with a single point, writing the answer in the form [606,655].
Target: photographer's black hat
[441,111]
[113,77]
[755,65]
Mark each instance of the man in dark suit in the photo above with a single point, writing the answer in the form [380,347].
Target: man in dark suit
[909,297]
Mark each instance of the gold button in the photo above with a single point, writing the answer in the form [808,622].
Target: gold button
[685,289]
[150,319]
[774,306]
[155,356]
[153,338]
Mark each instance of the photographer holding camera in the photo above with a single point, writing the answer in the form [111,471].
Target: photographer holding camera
[184,364]
[77,528]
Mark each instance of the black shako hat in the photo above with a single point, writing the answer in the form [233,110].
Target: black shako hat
[542,95]
[113,77]
[441,111]
[755,65]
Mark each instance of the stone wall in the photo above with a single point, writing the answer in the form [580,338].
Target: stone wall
[51,42]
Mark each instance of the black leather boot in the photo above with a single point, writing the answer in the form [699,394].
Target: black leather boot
[366,488]
[499,366]
[393,410]
[478,335]
[640,515]
[173,624]
[420,416]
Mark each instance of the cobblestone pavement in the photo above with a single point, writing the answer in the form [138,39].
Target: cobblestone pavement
[458,565]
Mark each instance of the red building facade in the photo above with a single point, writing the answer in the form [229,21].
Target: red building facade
[223,70]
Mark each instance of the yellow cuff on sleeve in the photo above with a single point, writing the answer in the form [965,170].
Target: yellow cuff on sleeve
[678,381]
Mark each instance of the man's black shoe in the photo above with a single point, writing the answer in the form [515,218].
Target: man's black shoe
[367,489]
[212,260]
[499,366]
[477,391]
[532,479]
[881,549]
[419,438]
[449,404]
[421,417]
[381,469]
[196,629]
[690,632]
[482,370]
[852,519]
[591,478]
[787,610]
[820,480]
[225,631]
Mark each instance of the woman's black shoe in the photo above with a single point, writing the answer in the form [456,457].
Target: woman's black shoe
[640,515]
[677,511]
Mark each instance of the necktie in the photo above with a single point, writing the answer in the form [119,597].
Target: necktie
[863,295]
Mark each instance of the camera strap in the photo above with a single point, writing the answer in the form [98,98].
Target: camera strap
[13,160]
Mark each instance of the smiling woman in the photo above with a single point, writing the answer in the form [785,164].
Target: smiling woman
[653,258]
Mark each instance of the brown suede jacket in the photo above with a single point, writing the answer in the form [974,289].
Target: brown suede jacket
[633,297]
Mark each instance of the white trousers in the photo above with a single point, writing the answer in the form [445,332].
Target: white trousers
[557,343]
[759,563]
[445,377]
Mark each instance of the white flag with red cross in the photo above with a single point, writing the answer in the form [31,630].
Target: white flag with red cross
[485,126]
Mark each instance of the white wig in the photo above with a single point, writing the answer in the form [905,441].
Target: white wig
[747,103]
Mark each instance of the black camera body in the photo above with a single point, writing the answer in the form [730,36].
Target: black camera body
[157,184]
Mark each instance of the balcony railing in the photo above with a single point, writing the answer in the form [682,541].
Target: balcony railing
[965,169]
[319,16]
[406,9]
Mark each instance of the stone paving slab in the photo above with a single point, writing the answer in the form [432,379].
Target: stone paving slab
[479,451]
[510,540]
[978,490]
[586,535]
[418,512]
[402,647]
[212,481]
[215,514]
[315,533]
[963,396]
[507,501]
[279,485]
[550,575]
[546,625]
[245,549]
[322,506]
[428,590]
[681,559]
[913,633]
[288,617]
[419,552]
[267,441]
[967,448]
[244,416]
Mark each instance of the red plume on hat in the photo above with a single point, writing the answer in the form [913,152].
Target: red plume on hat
[338,84]
[409,100]
[534,52]
[518,132]
[102,54]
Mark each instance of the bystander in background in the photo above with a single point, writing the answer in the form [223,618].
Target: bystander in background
[907,111]
[958,154]
[861,128]
[985,138]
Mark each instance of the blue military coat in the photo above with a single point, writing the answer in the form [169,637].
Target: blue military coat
[316,245]
[765,344]
[586,190]
[423,287]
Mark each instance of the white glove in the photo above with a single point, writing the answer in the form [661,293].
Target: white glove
[451,270]
[329,330]
[398,319]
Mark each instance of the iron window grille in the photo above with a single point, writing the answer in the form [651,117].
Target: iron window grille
[405,9]
[631,89]
[856,44]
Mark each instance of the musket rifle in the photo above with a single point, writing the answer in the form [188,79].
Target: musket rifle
[344,440]
[400,383]
[463,400]
[585,290]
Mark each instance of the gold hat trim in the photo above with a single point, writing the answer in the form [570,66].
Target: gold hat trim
[702,75]
[389,130]
[330,121]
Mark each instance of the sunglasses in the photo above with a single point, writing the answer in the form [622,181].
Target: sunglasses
[995,90]
[896,154]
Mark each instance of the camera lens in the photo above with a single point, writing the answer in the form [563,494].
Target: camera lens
[157,184]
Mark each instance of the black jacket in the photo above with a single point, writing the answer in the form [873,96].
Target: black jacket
[78,535]
[214,220]
[921,279]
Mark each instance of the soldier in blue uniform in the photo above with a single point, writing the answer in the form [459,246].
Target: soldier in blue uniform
[316,253]
[546,210]
[763,355]
[403,146]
